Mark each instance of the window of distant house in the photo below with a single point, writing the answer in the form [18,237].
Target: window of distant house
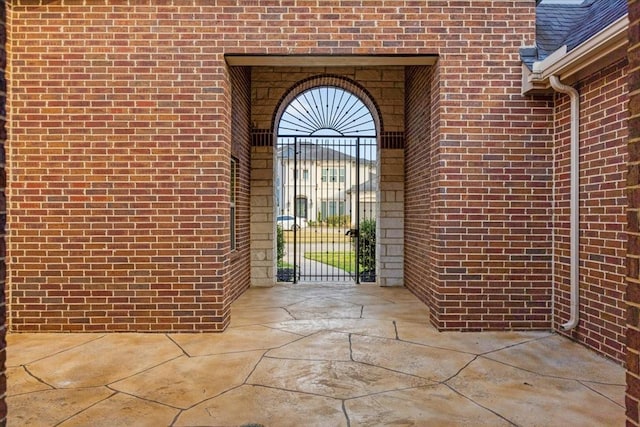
[333,174]
[301,207]
[305,174]
[233,189]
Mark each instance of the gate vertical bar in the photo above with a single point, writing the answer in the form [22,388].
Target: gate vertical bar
[295,209]
[357,223]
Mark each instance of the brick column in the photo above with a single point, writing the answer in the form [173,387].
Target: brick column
[633,217]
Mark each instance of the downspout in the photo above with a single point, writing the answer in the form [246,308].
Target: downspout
[575,199]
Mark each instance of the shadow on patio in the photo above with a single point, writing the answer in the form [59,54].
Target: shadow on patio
[313,355]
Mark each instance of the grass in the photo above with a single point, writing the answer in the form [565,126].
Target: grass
[342,260]
[282,264]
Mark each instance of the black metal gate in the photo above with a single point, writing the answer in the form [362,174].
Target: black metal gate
[326,198]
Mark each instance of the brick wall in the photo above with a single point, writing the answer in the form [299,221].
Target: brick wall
[603,163]
[239,278]
[119,175]
[486,216]
[633,220]
[420,183]
[121,142]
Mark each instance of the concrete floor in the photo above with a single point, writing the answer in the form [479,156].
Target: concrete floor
[313,356]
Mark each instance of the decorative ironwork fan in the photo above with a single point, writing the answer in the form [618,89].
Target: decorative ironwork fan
[326,111]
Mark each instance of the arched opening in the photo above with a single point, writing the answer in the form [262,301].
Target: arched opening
[326,185]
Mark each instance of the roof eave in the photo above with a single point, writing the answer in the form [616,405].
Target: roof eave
[606,47]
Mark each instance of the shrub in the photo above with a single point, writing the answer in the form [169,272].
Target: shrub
[280,243]
[367,248]
[338,220]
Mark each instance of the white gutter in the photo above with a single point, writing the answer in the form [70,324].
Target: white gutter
[575,199]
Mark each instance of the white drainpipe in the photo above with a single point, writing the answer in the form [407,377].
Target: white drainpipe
[575,198]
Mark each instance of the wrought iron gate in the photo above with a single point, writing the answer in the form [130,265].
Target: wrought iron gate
[326,198]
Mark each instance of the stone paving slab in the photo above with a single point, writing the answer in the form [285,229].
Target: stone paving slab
[314,356]
[265,406]
[51,407]
[531,399]
[436,405]
[186,381]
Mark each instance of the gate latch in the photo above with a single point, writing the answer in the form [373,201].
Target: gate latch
[353,232]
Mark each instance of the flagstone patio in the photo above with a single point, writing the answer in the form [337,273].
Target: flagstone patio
[314,356]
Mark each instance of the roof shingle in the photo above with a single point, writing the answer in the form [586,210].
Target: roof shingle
[571,25]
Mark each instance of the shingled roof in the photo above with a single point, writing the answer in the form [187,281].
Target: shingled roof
[570,25]
[314,152]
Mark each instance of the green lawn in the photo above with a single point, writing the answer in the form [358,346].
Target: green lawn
[342,260]
[282,264]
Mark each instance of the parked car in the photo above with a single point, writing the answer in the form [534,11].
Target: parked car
[287,222]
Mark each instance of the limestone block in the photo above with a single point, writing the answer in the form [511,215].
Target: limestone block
[395,233]
[371,74]
[261,201]
[392,186]
[262,242]
[391,282]
[387,223]
[393,266]
[261,174]
[395,250]
[393,213]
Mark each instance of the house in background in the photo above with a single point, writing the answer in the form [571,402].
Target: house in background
[365,195]
[319,179]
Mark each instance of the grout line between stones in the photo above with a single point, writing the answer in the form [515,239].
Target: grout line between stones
[64,350]
[460,370]
[515,344]
[558,377]
[88,407]
[143,370]
[40,380]
[481,406]
[289,313]
[351,349]
[346,414]
[445,382]
[135,396]
[178,345]
[586,384]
